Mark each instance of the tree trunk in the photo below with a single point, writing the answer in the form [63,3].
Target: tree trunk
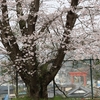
[39,92]
[43,92]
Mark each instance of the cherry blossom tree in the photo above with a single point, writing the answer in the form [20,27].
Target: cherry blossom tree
[37,39]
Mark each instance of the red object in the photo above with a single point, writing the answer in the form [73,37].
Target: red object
[72,74]
[82,99]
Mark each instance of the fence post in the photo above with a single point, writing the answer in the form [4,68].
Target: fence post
[91,77]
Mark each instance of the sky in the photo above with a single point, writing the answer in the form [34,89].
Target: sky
[51,5]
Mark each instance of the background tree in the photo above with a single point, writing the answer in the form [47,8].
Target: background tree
[38,47]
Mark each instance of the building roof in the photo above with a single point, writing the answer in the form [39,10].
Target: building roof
[79,92]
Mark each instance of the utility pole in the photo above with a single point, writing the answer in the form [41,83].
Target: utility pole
[91,77]
[8,90]
[16,78]
[54,87]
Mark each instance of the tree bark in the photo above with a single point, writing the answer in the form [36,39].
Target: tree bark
[38,92]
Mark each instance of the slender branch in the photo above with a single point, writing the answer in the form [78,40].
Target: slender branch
[49,22]
[60,89]
[91,19]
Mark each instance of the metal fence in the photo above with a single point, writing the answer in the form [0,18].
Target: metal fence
[84,83]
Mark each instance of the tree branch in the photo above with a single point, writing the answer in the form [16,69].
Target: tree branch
[22,22]
[32,18]
[7,37]
[70,21]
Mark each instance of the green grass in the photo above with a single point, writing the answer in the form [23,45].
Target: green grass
[55,98]
[22,98]
[27,98]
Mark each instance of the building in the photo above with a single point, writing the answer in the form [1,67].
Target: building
[4,90]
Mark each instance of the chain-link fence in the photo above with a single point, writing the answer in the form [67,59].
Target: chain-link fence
[78,79]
